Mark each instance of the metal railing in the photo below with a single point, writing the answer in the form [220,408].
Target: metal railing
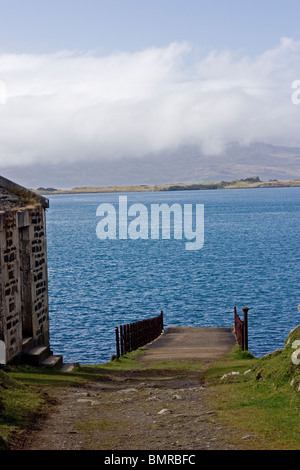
[241,329]
[135,335]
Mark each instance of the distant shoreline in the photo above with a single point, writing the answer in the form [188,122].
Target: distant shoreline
[252,182]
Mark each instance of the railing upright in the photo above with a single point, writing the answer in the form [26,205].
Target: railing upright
[117,341]
[241,329]
[245,311]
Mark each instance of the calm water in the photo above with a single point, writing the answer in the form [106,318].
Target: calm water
[249,258]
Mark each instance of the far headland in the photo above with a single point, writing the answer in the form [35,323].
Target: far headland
[251,182]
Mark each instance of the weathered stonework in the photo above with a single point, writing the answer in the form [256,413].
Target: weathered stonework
[24,311]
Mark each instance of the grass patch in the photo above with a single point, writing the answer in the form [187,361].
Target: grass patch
[19,407]
[130,361]
[102,425]
[47,377]
[126,362]
[236,361]
[177,365]
[270,416]
[263,405]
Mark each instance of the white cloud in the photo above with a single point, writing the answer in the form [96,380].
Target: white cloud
[68,106]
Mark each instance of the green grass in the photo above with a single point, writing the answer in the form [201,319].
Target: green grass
[177,365]
[37,377]
[130,361]
[265,403]
[272,417]
[19,407]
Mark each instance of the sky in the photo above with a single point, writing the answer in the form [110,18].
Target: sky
[126,78]
[43,26]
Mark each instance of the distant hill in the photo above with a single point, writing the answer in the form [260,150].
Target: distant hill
[183,165]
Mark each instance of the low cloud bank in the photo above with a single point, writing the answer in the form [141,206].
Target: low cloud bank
[70,106]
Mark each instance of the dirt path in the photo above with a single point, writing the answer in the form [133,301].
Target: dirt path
[136,410]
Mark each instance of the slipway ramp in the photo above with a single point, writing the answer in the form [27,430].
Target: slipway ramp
[183,343]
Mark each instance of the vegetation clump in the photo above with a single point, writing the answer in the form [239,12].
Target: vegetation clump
[262,397]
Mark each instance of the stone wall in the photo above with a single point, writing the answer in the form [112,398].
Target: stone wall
[24,311]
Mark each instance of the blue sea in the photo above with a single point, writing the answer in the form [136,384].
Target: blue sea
[250,257]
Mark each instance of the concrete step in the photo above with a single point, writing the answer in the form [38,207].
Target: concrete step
[43,356]
[35,356]
[67,367]
[54,361]
[27,343]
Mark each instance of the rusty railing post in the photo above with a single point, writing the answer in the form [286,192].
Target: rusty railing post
[117,342]
[127,347]
[245,339]
[235,320]
[122,339]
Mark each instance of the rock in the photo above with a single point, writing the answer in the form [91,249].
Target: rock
[127,390]
[176,397]
[164,411]
[229,375]
[141,385]
[88,400]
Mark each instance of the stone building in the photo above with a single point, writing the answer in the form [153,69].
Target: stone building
[24,311]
